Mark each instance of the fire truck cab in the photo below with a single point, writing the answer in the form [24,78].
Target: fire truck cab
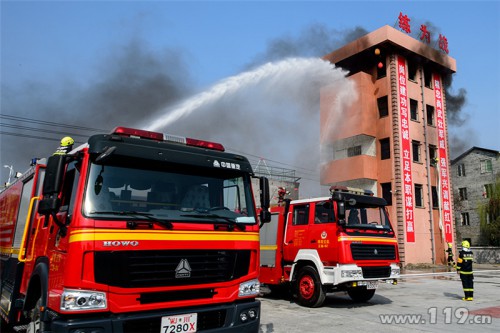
[344,242]
[133,231]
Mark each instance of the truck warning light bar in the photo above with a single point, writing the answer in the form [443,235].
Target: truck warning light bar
[143,134]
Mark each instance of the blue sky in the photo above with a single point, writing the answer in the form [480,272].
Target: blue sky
[61,47]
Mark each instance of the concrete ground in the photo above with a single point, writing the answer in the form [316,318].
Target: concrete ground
[425,300]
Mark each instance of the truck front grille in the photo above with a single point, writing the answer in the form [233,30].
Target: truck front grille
[373,252]
[376,272]
[136,269]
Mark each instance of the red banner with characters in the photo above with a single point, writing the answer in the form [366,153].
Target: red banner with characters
[443,160]
[405,148]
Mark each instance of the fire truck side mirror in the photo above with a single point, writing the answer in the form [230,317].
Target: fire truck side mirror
[341,212]
[52,184]
[265,200]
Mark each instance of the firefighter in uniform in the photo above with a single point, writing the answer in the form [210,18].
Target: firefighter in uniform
[65,147]
[464,268]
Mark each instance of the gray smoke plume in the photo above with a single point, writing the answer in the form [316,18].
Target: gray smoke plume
[314,41]
[457,121]
[131,83]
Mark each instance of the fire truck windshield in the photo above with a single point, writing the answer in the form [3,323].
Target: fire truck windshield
[180,194]
[363,216]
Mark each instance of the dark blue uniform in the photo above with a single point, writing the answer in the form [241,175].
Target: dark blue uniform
[464,267]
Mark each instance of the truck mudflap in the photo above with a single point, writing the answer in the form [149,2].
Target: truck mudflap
[241,317]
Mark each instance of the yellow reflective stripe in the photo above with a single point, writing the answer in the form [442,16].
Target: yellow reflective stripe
[8,250]
[466,272]
[468,289]
[137,235]
[367,239]
[268,247]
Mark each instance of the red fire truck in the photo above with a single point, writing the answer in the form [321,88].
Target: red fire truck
[133,231]
[344,242]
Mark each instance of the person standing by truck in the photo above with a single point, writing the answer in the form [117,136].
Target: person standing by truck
[464,268]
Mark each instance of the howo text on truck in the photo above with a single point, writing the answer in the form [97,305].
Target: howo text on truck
[344,242]
[133,231]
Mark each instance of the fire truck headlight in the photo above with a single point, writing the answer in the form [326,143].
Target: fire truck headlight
[395,272]
[78,300]
[249,288]
[352,274]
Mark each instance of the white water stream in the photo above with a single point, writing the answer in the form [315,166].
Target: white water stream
[271,111]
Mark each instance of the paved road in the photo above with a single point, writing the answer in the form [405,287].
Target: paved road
[430,301]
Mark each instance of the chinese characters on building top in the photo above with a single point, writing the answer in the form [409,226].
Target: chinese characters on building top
[425,34]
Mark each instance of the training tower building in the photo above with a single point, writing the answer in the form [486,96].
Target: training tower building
[393,139]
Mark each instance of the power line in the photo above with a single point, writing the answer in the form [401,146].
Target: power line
[32,136]
[40,130]
[50,123]
[308,172]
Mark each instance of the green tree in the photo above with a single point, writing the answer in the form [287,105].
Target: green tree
[489,213]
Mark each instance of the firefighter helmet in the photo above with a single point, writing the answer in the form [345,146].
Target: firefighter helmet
[465,244]
[67,141]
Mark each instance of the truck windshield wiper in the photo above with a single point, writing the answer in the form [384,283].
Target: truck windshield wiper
[133,224]
[231,222]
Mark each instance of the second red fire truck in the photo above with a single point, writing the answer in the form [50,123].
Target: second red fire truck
[344,242]
[133,231]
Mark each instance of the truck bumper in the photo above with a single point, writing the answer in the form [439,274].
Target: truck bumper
[224,318]
[342,274]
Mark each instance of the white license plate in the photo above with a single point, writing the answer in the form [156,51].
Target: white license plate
[371,284]
[185,323]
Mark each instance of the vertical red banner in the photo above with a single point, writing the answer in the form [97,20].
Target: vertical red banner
[406,150]
[443,160]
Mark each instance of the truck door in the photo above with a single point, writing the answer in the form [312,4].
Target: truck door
[296,230]
[322,230]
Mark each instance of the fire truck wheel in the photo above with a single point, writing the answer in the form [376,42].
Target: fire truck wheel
[308,287]
[34,325]
[360,294]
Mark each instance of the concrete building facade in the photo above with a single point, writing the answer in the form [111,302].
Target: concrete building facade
[393,139]
[473,174]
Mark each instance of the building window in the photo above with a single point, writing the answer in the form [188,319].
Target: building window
[433,155]
[487,190]
[301,215]
[383,106]
[462,193]
[415,147]
[412,71]
[427,77]
[419,202]
[387,192]
[385,149]
[486,166]
[413,109]
[435,198]
[430,115]
[353,151]
[461,170]
[465,219]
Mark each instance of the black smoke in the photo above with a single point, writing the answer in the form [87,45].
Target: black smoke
[130,84]
[316,40]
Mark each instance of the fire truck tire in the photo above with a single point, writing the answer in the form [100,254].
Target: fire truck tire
[308,287]
[360,294]
[34,326]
